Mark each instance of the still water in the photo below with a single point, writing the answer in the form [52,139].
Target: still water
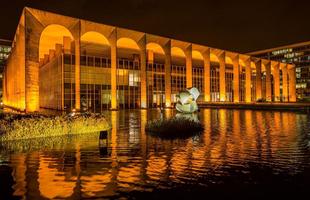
[241,154]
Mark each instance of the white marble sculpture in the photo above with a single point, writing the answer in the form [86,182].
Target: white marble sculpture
[187,100]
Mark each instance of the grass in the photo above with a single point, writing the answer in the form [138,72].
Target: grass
[176,127]
[16,126]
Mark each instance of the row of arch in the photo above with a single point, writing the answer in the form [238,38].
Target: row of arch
[38,32]
[54,33]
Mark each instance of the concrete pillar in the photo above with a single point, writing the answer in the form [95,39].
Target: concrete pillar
[248,77]
[292,83]
[207,76]
[258,66]
[142,45]
[113,43]
[236,82]
[276,81]
[77,73]
[189,67]
[67,44]
[222,77]
[284,83]
[32,33]
[268,81]
[167,50]
[150,61]
[150,57]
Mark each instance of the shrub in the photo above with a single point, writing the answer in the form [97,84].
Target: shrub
[176,127]
[14,127]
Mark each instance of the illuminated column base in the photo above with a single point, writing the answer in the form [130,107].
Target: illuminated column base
[113,40]
[292,84]
[236,71]
[276,80]
[207,77]
[222,77]
[248,74]
[167,50]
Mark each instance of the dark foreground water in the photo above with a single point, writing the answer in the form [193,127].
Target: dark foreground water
[241,155]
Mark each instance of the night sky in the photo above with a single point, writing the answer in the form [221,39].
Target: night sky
[240,26]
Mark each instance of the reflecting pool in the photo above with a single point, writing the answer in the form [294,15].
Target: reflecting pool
[241,154]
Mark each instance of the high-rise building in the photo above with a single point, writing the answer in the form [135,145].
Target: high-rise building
[60,62]
[5,49]
[299,55]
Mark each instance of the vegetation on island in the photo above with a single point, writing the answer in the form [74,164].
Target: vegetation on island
[27,126]
[175,127]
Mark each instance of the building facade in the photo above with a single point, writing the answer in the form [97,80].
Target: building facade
[5,49]
[60,62]
[299,55]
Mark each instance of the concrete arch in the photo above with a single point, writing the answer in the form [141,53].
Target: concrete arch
[50,36]
[177,52]
[228,60]
[156,48]
[197,55]
[95,37]
[127,43]
[242,62]
[214,58]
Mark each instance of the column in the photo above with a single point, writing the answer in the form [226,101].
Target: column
[268,81]
[276,81]
[167,49]
[150,57]
[142,45]
[77,74]
[284,83]
[236,71]
[222,77]
[248,77]
[292,83]
[113,43]
[189,67]
[258,66]
[150,61]
[207,77]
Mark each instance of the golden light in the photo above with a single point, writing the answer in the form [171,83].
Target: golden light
[127,43]
[178,52]
[197,55]
[228,60]
[156,48]
[95,37]
[241,62]
[253,65]
[50,36]
[214,58]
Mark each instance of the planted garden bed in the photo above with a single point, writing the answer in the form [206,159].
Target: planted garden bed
[16,126]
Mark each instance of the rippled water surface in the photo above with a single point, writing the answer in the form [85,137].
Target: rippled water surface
[241,154]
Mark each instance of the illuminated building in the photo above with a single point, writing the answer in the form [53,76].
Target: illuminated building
[5,49]
[61,62]
[299,55]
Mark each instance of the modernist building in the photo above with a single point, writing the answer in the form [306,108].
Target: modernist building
[61,62]
[5,49]
[298,54]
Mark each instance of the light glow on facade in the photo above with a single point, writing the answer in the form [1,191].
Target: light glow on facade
[70,63]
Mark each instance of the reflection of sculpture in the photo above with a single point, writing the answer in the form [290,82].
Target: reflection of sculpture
[187,100]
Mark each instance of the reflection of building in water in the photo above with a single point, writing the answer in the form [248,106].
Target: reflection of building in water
[66,61]
[231,138]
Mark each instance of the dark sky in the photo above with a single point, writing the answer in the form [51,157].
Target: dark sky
[234,25]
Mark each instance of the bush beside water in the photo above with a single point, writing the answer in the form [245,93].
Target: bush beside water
[14,127]
[176,127]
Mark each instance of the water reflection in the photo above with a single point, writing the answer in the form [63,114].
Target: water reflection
[235,143]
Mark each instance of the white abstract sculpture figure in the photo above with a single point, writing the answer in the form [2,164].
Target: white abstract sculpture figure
[187,100]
